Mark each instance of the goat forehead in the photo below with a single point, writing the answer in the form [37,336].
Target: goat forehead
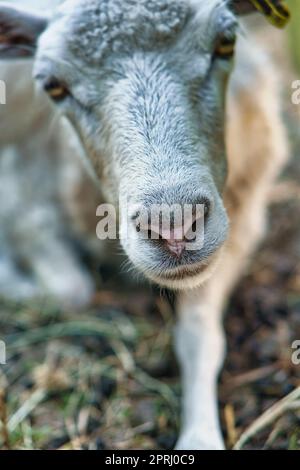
[96,28]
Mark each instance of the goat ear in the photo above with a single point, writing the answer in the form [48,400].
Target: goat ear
[276,12]
[19,31]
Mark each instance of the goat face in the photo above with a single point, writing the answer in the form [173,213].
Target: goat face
[144,84]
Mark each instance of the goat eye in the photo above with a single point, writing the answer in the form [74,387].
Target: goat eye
[225,48]
[57,90]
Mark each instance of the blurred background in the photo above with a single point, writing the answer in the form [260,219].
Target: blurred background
[105,377]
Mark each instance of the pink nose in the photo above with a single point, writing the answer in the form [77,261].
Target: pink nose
[174,238]
[175,231]
[176,247]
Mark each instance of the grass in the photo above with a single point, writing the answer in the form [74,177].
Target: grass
[107,378]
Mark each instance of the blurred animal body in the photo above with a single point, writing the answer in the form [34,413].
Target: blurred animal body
[149,89]
[36,253]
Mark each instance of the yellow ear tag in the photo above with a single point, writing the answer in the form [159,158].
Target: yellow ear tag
[276,12]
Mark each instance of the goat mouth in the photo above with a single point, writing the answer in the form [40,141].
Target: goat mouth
[189,276]
[181,273]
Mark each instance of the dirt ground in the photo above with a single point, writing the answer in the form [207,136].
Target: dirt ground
[107,378]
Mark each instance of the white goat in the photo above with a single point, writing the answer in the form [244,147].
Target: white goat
[144,85]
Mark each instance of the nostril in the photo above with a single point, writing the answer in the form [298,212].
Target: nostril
[206,208]
[135,216]
[199,214]
[201,208]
